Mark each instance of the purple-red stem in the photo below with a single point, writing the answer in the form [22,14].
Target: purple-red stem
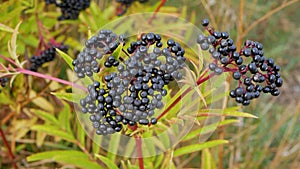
[11,155]
[199,81]
[28,72]
[138,143]
[156,10]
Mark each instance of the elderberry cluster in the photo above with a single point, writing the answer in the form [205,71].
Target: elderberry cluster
[3,81]
[134,91]
[254,72]
[47,55]
[105,42]
[70,9]
[125,4]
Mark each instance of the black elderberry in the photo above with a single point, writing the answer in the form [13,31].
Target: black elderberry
[205,22]
[46,56]
[70,9]
[3,81]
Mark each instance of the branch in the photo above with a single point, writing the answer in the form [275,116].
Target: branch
[138,143]
[11,155]
[28,72]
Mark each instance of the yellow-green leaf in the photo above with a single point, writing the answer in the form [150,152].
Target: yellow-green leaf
[66,57]
[110,164]
[6,28]
[197,147]
[76,158]
[48,117]
[54,131]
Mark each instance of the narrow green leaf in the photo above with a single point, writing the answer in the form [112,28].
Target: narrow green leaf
[110,164]
[6,28]
[207,160]
[72,157]
[64,118]
[71,97]
[48,117]
[54,131]
[227,112]
[197,147]
[113,146]
[66,57]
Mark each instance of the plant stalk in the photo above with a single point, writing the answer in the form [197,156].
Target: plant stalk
[138,143]
[11,155]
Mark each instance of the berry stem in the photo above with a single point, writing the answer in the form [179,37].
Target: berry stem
[28,72]
[199,81]
[162,2]
[139,151]
[11,155]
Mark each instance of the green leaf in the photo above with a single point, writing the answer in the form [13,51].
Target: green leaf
[197,147]
[71,97]
[207,129]
[110,164]
[64,118]
[71,157]
[207,160]
[48,117]
[226,112]
[6,28]
[54,131]
[12,45]
[113,146]
[66,57]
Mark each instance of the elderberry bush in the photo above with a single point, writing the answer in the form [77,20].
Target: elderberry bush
[3,81]
[254,72]
[125,4]
[47,55]
[133,91]
[70,9]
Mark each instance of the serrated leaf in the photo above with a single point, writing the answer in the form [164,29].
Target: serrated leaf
[226,112]
[72,157]
[6,28]
[197,147]
[66,57]
[50,118]
[109,163]
[54,131]
[71,97]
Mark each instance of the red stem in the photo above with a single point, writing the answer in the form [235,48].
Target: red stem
[156,10]
[28,72]
[199,81]
[11,155]
[139,151]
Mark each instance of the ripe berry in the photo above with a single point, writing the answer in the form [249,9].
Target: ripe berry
[205,22]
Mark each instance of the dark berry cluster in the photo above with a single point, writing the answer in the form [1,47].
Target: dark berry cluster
[134,91]
[254,72]
[3,81]
[47,55]
[125,4]
[95,48]
[70,9]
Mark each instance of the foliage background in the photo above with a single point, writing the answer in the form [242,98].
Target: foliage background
[28,109]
